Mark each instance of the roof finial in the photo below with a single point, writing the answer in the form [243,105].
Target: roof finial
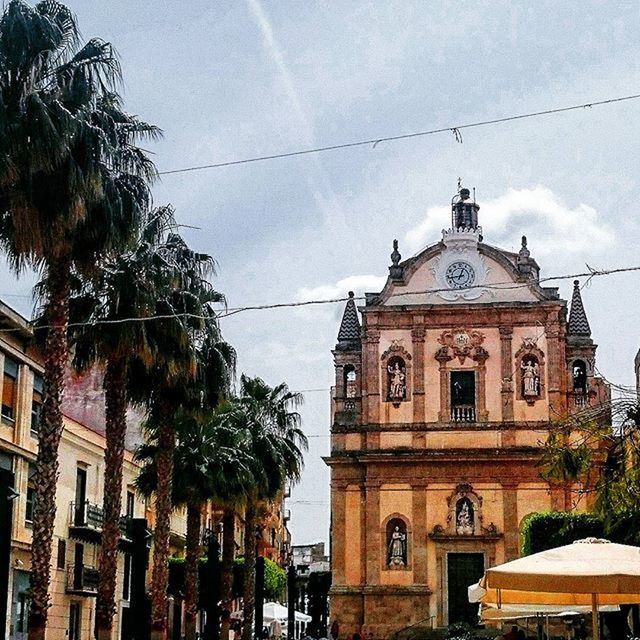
[395,270]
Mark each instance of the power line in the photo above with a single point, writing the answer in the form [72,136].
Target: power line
[499,286]
[405,136]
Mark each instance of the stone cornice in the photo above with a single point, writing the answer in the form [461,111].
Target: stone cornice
[418,427]
[380,590]
[488,454]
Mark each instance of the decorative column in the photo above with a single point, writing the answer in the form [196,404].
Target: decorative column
[506,364]
[442,356]
[371,377]
[338,530]
[419,551]
[556,371]
[511,529]
[417,337]
[372,548]
[480,356]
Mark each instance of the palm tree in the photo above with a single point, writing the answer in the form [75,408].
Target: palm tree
[73,184]
[168,383]
[126,286]
[207,454]
[269,423]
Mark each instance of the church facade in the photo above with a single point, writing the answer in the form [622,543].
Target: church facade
[447,383]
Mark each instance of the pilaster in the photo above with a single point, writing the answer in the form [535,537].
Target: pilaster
[510,511]
[506,365]
[372,548]
[417,337]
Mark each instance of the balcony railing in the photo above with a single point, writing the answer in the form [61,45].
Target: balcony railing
[463,413]
[82,580]
[87,515]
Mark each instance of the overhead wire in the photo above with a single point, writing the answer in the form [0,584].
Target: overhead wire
[455,129]
[499,286]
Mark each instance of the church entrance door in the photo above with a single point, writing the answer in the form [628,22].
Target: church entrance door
[463,569]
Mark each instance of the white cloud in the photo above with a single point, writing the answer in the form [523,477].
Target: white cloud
[553,228]
[342,287]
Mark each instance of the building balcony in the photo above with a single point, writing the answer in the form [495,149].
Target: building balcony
[463,413]
[86,520]
[82,580]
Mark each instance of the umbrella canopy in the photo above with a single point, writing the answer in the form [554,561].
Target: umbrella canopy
[588,572]
[275,611]
[566,576]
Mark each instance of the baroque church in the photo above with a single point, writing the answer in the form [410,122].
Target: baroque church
[447,383]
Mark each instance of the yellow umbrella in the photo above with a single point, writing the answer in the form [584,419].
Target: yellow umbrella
[588,572]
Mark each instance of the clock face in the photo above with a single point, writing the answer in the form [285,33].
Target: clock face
[460,275]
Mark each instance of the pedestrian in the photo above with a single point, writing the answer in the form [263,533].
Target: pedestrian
[335,630]
[513,634]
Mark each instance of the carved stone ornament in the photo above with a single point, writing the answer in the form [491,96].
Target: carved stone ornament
[463,344]
[465,511]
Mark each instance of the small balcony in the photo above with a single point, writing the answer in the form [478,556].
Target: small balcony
[463,413]
[82,580]
[86,520]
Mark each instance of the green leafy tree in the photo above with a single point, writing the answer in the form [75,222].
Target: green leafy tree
[73,186]
[205,455]
[125,287]
[269,422]
[171,382]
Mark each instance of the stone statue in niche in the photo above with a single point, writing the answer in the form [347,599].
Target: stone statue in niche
[464,517]
[398,548]
[397,380]
[530,378]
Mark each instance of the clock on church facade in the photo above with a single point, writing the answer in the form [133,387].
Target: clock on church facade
[447,382]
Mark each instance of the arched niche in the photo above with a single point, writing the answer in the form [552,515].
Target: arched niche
[396,375]
[396,538]
[529,372]
[465,512]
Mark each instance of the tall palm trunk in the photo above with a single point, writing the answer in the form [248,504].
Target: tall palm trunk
[228,553]
[51,425]
[191,570]
[116,430]
[163,508]
[249,584]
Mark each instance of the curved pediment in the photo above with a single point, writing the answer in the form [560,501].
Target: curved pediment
[460,269]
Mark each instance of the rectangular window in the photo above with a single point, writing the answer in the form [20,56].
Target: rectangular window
[31,495]
[62,553]
[463,396]
[75,620]
[126,581]
[81,497]
[36,404]
[9,389]
[130,506]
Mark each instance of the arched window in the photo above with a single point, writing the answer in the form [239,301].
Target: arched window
[530,377]
[396,379]
[579,377]
[397,543]
[350,381]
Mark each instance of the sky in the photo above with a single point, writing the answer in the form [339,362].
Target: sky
[228,80]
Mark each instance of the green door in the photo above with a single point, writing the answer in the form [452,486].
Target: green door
[463,569]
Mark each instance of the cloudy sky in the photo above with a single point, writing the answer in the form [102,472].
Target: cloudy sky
[239,78]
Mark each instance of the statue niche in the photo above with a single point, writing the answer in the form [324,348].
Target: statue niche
[465,517]
[396,379]
[396,543]
[396,374]
[529,370]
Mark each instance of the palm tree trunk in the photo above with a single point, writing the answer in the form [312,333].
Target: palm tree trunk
[248,592]
[191,571]
[116,430]
[163,508]
[55,360]
[228,553]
